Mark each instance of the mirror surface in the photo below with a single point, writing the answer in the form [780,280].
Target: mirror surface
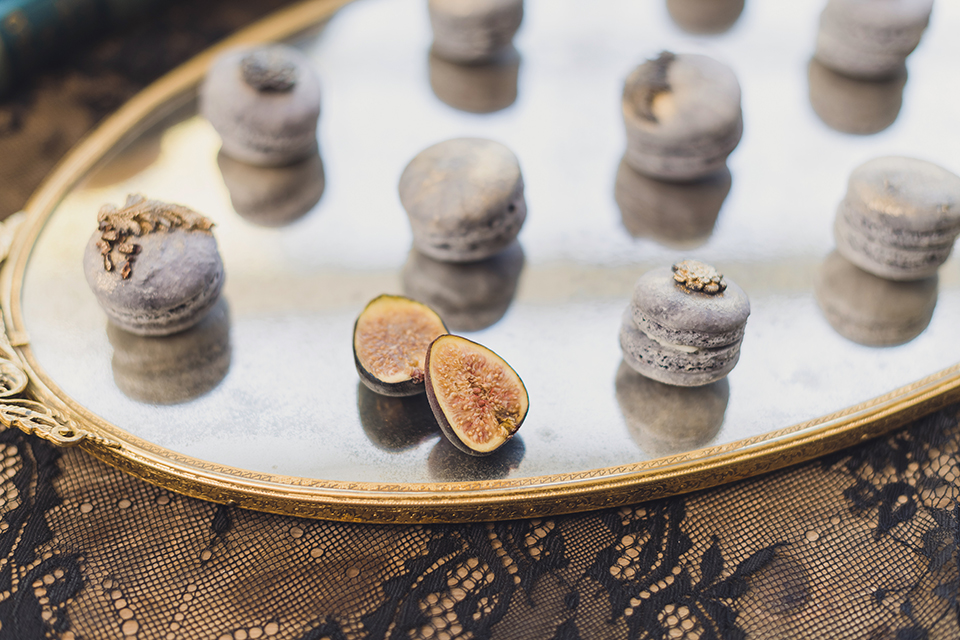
[277,392]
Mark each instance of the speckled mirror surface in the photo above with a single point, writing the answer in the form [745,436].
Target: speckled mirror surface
[268,382]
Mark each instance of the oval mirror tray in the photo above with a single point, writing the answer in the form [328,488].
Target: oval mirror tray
[261,405]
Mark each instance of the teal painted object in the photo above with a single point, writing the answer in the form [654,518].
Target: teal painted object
[35,32]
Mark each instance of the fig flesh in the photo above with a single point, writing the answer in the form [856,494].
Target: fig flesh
[390,341]
[478,399]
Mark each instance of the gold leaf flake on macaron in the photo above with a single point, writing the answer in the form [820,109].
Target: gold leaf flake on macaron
[693,275]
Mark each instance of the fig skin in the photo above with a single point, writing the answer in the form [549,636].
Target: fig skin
[448,429]
[415,383]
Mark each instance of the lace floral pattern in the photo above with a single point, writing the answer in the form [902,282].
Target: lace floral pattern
[860,544]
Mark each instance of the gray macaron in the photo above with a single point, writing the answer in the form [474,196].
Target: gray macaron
[468,31]
[870,38]
[899,218]
[682,116]
[264,103]
[153,267]
[873,311]
[684,325]
[464,199]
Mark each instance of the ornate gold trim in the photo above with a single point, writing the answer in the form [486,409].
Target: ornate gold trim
[29,400]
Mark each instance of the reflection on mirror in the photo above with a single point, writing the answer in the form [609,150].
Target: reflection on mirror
[665,420]
[395,423]
[448,464]
[680,215]
[873,311]
[273,196]
[469,296]
[482,87]
[705,16]
[175,368]
[851,105]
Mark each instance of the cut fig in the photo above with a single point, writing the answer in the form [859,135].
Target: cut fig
[477,398]
[390,341]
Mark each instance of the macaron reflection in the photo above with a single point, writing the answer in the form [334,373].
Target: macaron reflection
[469,296]
[870,310]
[448,464]
[679,215]
[273,196]
[483,87]
[395,423]
[665,419]
[850,105]
[705,16]
[176,368]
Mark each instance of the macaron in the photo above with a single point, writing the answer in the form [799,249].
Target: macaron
[176,368]
[682,116]
[869,310]
[899,217]
[853,105]
[473,30]
[154,267]
[674,214]
[684,325]
[464,199]
[870,38]
[469,296]
[264,103]
[273,196]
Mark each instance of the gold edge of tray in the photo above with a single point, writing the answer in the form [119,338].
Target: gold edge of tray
[42,409]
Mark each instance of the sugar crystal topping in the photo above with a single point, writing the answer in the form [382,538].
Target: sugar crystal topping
[693,275]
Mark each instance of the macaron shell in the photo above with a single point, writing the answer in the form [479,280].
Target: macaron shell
[659,362]
[696,124]
[464,198]
[175,281]
[669,312]
[907,193]
[268,128]
[885,260]
[870,38]
[467,31]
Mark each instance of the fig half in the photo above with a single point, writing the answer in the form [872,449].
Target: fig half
[390,341]
[477,398]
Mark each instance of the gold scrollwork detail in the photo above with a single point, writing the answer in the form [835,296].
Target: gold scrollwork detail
[49,424]
[13,379]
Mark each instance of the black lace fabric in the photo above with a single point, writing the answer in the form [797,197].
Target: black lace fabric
[861,544]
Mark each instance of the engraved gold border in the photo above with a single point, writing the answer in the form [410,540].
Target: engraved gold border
[49,413]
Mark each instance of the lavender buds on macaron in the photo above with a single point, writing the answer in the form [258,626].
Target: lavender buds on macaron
[154,267]
[684,325]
